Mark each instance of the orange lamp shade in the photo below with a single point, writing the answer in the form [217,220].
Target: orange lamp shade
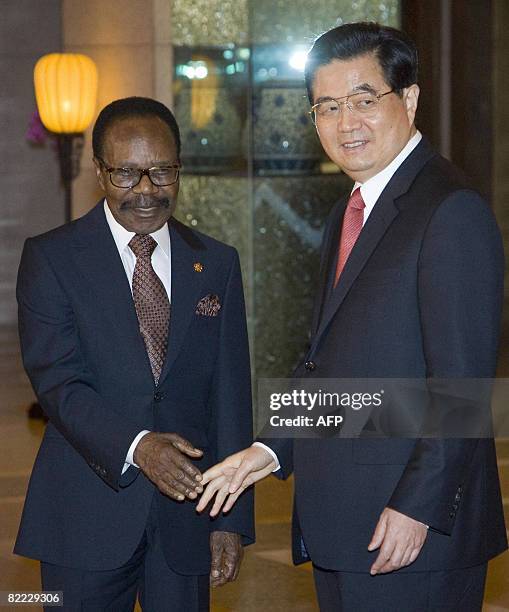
[66,91]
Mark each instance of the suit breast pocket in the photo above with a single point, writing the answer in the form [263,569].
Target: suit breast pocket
[207,321]
[208,314]
[382,452]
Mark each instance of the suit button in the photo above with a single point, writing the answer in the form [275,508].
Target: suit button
[451,515]
[158,396]
[455,506]
[310,366]
[458,497]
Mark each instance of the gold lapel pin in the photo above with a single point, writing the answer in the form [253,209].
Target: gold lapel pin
[198,267]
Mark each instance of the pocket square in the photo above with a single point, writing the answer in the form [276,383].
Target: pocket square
[208,306]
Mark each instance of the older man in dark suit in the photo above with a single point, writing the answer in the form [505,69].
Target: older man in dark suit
[133,335]
[410,287]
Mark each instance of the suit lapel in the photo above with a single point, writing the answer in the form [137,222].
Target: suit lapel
[98,260]
[381,217]
[376,226]
[329,256]
[186,285]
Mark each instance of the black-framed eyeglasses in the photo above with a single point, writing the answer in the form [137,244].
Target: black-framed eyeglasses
[364,103]
[127,178]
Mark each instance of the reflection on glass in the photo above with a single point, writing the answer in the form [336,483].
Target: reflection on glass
[210,95]
[284,139]
[297,60]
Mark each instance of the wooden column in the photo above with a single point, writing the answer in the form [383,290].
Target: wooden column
[455,41]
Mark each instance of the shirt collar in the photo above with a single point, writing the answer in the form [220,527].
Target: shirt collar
[122,236]
[373,187]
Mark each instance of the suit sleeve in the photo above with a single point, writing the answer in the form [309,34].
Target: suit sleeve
[64,385]
[231,425]
[460,284]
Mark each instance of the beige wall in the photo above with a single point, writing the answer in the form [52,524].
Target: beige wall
[130,42]
[32,198]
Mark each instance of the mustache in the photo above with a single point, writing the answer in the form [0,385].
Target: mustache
[143,201]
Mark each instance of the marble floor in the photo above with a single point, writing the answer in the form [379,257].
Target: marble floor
[267,581]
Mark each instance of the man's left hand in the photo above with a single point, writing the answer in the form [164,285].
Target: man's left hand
[227,551]
[400,539]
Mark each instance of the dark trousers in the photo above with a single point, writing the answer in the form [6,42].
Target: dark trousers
[146,575]
[459,590]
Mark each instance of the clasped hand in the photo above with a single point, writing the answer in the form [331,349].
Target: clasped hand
[163,459]
[232,476]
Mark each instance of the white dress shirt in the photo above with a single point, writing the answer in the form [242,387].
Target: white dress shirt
[373,187]
[370,191]
[161,262]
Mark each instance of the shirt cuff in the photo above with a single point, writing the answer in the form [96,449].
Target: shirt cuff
[129,460]
[271,453]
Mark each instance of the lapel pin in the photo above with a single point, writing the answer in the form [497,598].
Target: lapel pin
[198,267]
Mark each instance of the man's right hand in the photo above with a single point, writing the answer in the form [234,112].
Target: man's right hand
[160,457]
[233,475]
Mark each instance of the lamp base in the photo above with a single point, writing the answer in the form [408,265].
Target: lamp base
[70,148]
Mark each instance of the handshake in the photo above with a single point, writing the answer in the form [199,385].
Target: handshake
[165,459]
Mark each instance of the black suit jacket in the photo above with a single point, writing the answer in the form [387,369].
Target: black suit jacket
[420,297]
[87,362]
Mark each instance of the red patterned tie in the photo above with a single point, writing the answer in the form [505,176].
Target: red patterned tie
[151,302]
[352,225]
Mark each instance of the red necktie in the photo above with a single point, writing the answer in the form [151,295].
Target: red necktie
[151,302]
[352,225]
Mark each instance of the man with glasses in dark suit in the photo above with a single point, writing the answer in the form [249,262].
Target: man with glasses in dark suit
[411,286]
[133,334]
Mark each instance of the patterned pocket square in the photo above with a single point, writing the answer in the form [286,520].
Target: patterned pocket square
[208,306]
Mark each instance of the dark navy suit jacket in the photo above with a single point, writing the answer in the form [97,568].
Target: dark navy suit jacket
[86,359]
[420,297]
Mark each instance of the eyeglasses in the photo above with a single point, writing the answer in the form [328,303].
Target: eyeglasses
[364,103]
[127,178]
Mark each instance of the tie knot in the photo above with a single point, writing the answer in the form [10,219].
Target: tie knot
[356,200]
[142,245]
